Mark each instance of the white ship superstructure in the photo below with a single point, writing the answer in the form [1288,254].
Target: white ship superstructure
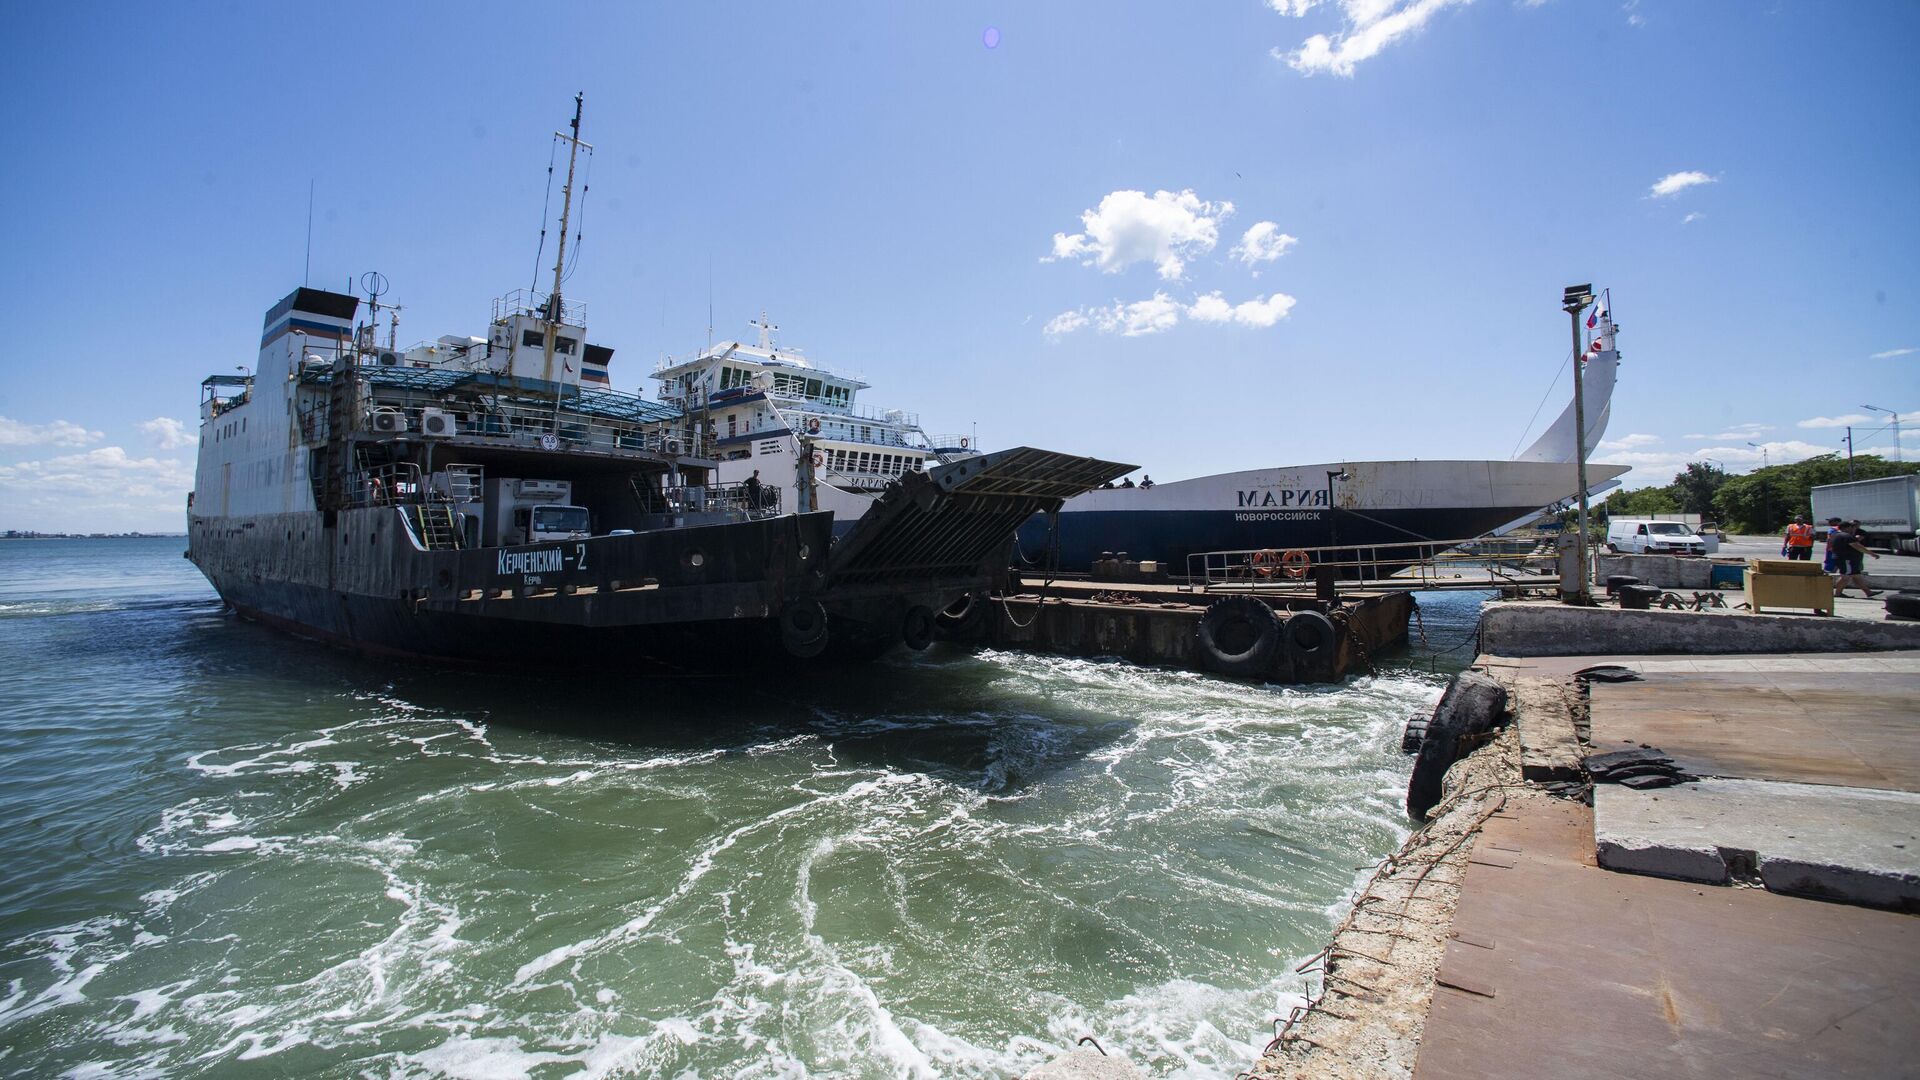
[759,402]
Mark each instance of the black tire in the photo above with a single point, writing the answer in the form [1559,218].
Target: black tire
[1904,605]
[1414,735]
[1615,582]
[803,629]
[1472,704]
[1238,635]
[1309,633]
[916,628]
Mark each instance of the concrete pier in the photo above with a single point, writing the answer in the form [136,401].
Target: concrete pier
[1754,918]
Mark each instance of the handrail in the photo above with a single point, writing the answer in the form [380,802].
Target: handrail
[710,498]
[1259,567]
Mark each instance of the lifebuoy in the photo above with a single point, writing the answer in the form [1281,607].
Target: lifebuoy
[813,425]
[1264,562]
[376,492]
[819,460]
[963,444]
[1295,563]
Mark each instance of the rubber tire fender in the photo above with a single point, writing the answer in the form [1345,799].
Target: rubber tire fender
[1246,614]
[916,628]
[1472,704]
[803,629]
[1308,632]
[1905,605]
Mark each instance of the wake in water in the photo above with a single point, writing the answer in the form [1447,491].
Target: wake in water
[829,880]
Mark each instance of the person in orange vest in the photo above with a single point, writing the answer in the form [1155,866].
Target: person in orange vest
[1799,543]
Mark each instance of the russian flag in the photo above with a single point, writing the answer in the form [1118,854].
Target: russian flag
[1599,312]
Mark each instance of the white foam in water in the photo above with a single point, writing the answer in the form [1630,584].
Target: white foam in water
[855,898]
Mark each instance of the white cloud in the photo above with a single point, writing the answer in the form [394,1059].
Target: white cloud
[1263,313]
[1129,227]
[1835,421]
[1142,317]
[1161,312]
[167,433]
[1629,442]
[106,471]
[1749,430]
[1262,242]
[1891,353]
[1064,323]
[1292,7]
[1370,26]
[1692,217]
[1777,452]
[1675,183]
[57,433]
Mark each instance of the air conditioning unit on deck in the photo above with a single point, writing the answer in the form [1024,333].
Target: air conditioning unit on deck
[438,424]
[389,420]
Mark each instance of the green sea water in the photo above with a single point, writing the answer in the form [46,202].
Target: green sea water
[232,852]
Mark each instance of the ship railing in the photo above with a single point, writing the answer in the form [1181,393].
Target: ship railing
[952,442]
[1409,565]
[530,426]
[394,484]
[717,498]
[536,304]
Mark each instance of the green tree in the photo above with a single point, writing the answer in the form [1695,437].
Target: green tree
[1653,500]
[1696,487]
[1764,500]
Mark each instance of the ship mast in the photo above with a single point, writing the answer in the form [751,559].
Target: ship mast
[560,261]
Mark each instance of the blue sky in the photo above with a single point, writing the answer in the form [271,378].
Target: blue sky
[919,192]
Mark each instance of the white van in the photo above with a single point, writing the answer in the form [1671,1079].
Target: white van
[1645,536]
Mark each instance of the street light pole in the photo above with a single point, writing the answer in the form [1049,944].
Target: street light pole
[1896,427]
[1573,301]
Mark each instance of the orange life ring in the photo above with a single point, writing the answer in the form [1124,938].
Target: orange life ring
[813,425]
[1294,564]
[819,459]
[1264,562]
[376,492]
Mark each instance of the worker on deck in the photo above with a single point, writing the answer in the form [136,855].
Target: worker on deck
[1799,541]
[1145,482]
[753,490]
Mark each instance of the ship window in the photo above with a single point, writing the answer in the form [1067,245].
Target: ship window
[564,345]
[533,339]
[813,388]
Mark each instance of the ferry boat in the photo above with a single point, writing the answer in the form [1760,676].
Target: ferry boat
[775,414]
[1345,505]
[491,499]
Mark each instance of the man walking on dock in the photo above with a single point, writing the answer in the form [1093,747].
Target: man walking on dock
[1799,542]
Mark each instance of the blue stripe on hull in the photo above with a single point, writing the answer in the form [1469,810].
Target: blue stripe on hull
[1171,535]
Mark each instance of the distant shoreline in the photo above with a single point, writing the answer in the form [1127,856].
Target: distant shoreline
[91,536]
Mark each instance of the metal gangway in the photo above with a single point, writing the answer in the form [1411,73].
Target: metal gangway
[1410,566]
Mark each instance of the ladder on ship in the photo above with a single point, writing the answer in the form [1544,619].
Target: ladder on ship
[439,531]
